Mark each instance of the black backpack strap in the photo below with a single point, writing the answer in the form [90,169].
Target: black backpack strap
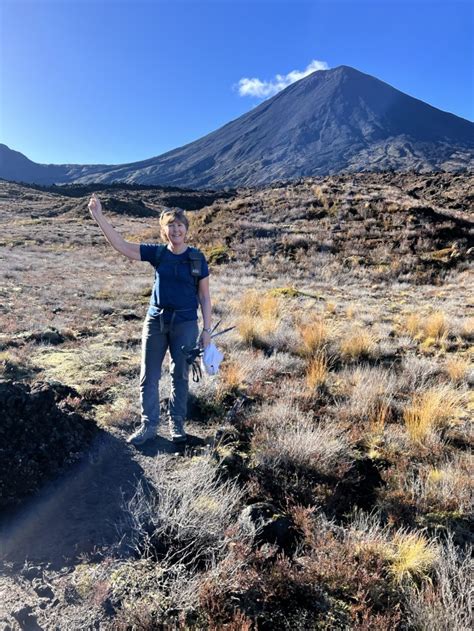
[195,258]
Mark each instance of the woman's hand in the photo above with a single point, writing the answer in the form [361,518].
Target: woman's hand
[94,205]
[204,339]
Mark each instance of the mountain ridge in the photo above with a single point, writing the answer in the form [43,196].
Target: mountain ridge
[331,121]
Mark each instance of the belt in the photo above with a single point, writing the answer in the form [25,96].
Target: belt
[174,311]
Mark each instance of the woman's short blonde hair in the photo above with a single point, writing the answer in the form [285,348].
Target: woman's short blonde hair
[172,214]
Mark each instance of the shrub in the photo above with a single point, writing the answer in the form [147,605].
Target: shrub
[446,601]
[187,512]
[444,487]
[292,439]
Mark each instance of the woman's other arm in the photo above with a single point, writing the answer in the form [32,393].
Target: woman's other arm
[206,309]
[127,248]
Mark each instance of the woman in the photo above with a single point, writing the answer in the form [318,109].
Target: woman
[171,321]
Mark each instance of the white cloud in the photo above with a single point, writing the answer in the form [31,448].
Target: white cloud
[256,87]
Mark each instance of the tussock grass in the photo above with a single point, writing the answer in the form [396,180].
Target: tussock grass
[432,328]
[317,371]
[330,307]
[412,556]
[259,304]
[457,368]
[232,375]
[446,601]
[431,409]
[315,333]
[369,389]
[259,315]
[409,555]
[350,312]
[467,328]
[357,342]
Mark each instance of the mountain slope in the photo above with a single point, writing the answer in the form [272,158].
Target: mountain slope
[328,122]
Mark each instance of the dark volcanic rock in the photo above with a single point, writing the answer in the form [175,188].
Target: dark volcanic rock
[39,434]
[263,521]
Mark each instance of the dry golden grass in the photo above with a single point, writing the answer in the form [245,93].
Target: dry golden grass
[378,419]
[468,327]
[247,328]
[249,303]
[412,556]
[260,315]
[428,329]
[317,370]
[350,312]
[457,368]
[232,377]
[430,409]
[315,333]
[356,343]
[412,324]
[252,329]
[269,308]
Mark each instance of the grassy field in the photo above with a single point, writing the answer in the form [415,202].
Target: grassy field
[342,411]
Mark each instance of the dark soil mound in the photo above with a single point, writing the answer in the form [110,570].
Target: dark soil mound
[40,432]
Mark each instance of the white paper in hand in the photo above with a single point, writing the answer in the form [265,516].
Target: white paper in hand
[211,358]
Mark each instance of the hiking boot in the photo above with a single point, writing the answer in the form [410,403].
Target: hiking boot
[176,425]
[143,433]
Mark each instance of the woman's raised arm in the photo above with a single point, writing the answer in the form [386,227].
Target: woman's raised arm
[127,248]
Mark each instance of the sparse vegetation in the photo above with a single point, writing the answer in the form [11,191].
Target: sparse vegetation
[327,480]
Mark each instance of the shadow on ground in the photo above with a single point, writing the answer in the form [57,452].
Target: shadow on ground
[161,445]
[77,514]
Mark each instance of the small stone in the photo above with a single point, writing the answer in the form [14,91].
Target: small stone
[44,591]
[267,525]
[26,619]
[32,572]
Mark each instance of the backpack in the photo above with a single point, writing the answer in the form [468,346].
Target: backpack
[195,259]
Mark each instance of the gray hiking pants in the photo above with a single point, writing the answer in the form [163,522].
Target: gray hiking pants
[157,337]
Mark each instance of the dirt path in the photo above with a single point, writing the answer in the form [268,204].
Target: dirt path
[78,516]
[82,511]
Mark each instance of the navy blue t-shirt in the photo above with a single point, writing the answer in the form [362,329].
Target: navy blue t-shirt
[174,285]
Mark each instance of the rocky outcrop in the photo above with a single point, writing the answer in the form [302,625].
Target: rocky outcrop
[40,433]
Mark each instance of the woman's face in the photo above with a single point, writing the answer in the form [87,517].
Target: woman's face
[176,232]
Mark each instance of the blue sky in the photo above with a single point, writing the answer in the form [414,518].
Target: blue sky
[107,81]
